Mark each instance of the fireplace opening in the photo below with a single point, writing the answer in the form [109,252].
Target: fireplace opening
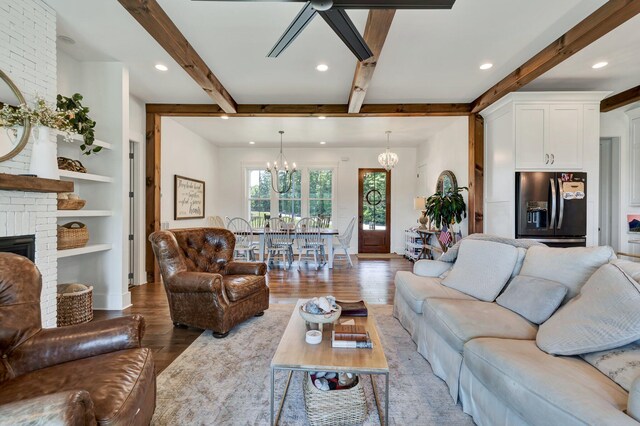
[24,245]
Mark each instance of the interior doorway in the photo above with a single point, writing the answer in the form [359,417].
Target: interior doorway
[609,217]
[374,211]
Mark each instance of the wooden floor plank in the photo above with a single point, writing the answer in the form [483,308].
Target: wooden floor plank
[369,280]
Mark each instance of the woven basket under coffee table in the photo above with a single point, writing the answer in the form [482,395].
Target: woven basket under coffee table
[74,303]
[336,407]
[294,354]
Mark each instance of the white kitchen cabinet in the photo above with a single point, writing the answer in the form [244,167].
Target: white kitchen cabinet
[634,154]
[549,136]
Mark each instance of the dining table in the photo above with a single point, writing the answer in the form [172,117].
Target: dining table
[326,235]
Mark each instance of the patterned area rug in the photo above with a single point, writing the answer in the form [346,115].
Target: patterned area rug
[227,381]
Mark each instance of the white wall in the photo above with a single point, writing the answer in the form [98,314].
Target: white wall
[186,154]
[447,150]
[616,124]
[231,193]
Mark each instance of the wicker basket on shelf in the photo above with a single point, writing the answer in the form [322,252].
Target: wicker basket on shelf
[72,235]
[74,303]
[336,407]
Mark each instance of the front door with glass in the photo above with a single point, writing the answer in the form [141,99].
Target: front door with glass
[374,211]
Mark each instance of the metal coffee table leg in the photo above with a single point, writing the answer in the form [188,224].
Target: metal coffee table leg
[274,421]
[383,418]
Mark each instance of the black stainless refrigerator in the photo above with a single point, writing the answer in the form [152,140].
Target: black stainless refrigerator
[551,207]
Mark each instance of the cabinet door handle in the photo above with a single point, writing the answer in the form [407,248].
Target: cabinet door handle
[546,159]
[553,159]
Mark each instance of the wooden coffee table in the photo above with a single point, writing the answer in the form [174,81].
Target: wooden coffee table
[294,354]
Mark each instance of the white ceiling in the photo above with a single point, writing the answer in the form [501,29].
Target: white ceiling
[308,132]
[429,56]
[620,48]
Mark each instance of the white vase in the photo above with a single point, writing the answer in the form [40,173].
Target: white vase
[44,162]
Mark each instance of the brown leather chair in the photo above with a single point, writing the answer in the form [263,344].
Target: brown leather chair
[93,373]
[205,287]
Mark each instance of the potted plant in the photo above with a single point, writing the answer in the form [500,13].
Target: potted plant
[81,123]
[42,117]
[446,208]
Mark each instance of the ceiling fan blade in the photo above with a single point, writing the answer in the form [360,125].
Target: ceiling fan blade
[340,22]
[295,28]
[394,4]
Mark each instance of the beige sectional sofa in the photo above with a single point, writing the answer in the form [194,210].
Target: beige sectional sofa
[487,354]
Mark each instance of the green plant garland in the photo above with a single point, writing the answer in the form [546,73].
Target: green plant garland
[81,122]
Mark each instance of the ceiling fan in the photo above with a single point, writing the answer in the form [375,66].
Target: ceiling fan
[334,14]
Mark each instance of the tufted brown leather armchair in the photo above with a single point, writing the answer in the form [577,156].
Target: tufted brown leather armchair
[93,373]
[205,287]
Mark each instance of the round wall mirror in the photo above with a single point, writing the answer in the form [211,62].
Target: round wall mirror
[12,139]
[446,182]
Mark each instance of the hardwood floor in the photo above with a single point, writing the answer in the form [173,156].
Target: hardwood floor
[369,279]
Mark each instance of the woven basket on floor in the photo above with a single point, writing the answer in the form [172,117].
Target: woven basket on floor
[336,407]
[74,307]
[72,235]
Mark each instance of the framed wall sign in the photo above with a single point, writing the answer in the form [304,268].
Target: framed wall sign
[188,198]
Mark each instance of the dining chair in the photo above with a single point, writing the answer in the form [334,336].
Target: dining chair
[279,241]
[310,241]
[245,246]
[325,221]
[257,222]
[344,241]
[217,222]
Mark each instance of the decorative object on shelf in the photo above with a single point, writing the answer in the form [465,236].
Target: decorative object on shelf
[447,182]
[634,222]
[321,310]
[72,235]
[281,172]
[81,122]
[388,159]
[74,304]
[419,204]
[346,406]
[16,133]
[189,198]
[70,201]
[71,165]
[43,154]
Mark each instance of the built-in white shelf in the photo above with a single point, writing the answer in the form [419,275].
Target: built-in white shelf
[79,139]
[84,213]
[91,248]
[85,176]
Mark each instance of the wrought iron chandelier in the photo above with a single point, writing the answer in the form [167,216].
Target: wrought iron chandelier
[388,159]
[281,172]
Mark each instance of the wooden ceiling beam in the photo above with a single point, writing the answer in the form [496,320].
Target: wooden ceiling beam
[375,34]
[310,110]
[153,18]
[620,100]
[608,17]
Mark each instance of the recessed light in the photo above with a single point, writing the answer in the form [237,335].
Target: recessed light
[322,117]
[322,67]
[161,67]
[599,65]
[224,117]
[66,39]
[486,66]
[252,143]
[323,143]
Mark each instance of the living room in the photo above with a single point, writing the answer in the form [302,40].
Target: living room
[213,196]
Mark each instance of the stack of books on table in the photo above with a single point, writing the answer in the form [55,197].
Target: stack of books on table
[350,336]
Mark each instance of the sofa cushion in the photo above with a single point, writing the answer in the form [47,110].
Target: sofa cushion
[543,389]
[622,364]
[571,267]
[240,286]
[458,321]
[533,298]
[630,268]
[482,268]
[605,315]
[119,384]
[414,290]
[430,268]
[633,407]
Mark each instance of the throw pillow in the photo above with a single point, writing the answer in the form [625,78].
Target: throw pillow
[535,299]
[604,316]
[622,364]
[630,268]
[482,268]
[571,267]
